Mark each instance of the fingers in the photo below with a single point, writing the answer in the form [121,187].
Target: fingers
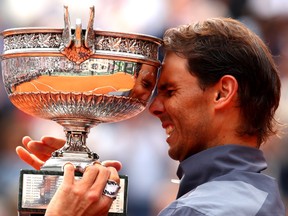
[114,176]
[44,148]
[69,173]
[113,185]
[97,175]
[99,170]
[95,180]
[85,195]
[116,164]
[26,140]
[30,159]
[65,199]
[99,193]
[100,179]
[53,142]
[37,152]
[90,175]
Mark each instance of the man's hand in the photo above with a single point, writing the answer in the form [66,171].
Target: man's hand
[35,152]
[84,197]
[73,197]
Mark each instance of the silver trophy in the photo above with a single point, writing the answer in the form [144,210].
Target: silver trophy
[78,78]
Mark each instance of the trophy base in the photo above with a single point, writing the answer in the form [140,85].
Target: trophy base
[37,187]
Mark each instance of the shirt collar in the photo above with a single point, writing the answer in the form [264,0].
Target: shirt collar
[213,162]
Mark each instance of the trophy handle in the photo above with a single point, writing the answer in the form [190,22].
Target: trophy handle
[90,34]
[67,35]
[73,47]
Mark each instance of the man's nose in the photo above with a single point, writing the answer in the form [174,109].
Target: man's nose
[156,108]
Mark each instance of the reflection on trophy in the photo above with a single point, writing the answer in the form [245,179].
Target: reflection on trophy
[77,78]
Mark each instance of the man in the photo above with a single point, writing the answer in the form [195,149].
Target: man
[216,98]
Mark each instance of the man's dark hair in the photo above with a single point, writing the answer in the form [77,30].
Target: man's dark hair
[223,46]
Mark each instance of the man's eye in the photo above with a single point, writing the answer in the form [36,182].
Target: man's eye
[146,84]
[170,92]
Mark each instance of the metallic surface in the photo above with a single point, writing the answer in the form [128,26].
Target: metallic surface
[78,78]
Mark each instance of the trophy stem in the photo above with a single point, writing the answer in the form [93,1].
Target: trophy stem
[75,142]
[75,150]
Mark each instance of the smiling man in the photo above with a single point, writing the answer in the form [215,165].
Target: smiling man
[217,95]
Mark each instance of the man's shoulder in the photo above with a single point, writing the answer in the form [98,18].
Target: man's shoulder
[225,198]
[219,198]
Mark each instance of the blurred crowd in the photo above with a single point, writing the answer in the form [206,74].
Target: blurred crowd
[139,143]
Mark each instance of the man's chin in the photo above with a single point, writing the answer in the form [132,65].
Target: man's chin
[172,155]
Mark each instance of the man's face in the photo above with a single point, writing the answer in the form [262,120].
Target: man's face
[183,108]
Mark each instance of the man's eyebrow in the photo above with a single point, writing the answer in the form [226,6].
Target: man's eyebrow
[164,86]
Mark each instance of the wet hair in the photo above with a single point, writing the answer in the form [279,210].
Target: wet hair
[223,46]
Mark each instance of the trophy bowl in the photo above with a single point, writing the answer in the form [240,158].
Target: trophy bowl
[78,78]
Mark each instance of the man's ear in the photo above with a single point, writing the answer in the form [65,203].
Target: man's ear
[225,92]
